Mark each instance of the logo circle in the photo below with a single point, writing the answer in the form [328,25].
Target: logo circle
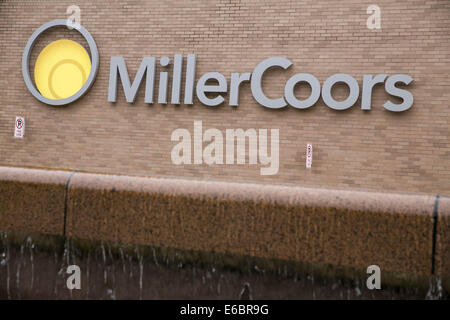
[61,69]
[71,63]
[67,63]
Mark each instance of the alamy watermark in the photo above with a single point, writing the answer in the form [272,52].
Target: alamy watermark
[374,20]
[74,20]
[227,147]
[374,280]
[74,280]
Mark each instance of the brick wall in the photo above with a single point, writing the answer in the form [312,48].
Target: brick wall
[377,149]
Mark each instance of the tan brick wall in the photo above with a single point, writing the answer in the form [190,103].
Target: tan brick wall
[409,151]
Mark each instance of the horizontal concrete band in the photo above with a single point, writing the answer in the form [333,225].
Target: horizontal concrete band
[402,233]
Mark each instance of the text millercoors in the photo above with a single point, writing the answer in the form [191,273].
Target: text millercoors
[148,67]
[54,77]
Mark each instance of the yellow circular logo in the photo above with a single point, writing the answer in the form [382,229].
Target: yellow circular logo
[61,69]
[64,71]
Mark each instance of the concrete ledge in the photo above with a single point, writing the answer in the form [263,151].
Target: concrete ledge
[346,228]
[32,200]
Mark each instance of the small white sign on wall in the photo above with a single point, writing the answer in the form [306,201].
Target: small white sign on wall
[19,127]
[309,155]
